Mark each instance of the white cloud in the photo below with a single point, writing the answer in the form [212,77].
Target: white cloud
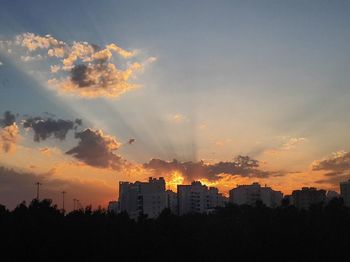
[81,68]
[177,118]
[292,142]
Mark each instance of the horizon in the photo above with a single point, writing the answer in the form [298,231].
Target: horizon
[57,198]
[225,93]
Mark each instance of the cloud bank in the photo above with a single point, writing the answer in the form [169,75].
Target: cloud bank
[339,163]
[44,128]
[241,166]
[336,168]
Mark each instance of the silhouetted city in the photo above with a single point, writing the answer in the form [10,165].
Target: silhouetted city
[200,130]
[153,224]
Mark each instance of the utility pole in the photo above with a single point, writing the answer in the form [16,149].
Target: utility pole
[63,193]
[38,184]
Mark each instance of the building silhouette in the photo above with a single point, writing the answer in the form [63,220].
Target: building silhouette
[114,206]
[345,192]
[251,194]
[308,196]
[198,198]
[143,198]
[331,195]
[172,202]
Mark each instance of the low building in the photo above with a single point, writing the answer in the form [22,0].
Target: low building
[308,196]
[345,192]
[197,198]
[251,194]
[143,198]
[331,195]
[113,207]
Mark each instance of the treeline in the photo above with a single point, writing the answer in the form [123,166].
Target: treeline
[41,232]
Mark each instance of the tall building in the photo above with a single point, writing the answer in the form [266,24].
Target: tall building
[250,194]
[215,198]
[143,198]
[222,200]
[197,198]
[172,202]
[308,196]
[345,192]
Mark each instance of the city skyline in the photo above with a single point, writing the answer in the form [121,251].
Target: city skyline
[151,198]
[172,190]
[225,93]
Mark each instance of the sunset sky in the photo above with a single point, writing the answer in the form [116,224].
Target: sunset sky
[97,92]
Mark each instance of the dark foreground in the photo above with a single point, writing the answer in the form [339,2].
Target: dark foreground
[40,232]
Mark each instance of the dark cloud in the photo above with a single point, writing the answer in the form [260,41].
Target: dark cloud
[241,166]
[80,76]
[97,149]
[18,186]
[46,127]
[330,174]
[131,141]
[337,164]
[48,114]
[334,180]
[8,119]
[79,122]
[337,168]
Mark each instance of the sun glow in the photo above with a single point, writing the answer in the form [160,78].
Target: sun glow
[176,178]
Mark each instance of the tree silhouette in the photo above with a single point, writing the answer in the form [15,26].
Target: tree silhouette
[39,231]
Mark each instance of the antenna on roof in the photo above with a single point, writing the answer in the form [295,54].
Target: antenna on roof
[38,184]
[63,193]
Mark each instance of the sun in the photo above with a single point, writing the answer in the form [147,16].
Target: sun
[175,178]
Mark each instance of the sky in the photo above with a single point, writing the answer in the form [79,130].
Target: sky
[225,92]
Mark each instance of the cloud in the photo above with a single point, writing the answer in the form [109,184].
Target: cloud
[287,144]
[1,63]
[94,80]
[8,119]
[82,68]
[9,136]
[55,68]
[338,162]
[131,141]
[9,132]
[46,127]
[223,142]
[31,58]
[241,166]
[336,168]
[45,151]
[334,180]
[50,151]
[97,149]
[293,142]
[33,42]
[177,118]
